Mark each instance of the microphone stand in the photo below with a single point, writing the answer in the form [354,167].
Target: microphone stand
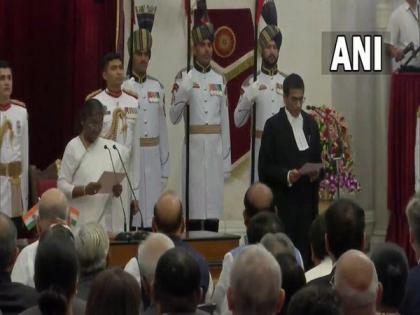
[122,236]
[129,184]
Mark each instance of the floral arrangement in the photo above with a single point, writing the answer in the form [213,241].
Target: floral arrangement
[331,126]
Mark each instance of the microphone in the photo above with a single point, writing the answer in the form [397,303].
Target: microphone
[129,184]
[123,235]
[311,107]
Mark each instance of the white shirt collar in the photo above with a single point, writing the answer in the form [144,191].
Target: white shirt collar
[407,5]
[291,118]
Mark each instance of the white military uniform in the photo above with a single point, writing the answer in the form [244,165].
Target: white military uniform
[13,159]
[269,100]
[404,27]
[121,111]
[210,159]
[152,137]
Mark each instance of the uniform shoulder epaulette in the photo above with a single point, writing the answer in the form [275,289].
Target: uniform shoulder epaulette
[131,93]
[179,74]
[18,103]
[93,94]
[283,73]
[154,79]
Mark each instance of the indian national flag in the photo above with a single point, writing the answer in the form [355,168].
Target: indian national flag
[74,216]
[29,218]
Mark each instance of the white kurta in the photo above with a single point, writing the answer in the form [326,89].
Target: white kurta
[24,267]
[268,103]
[14,122]
[81,166]
[125,108]
[210,160]
[154,167]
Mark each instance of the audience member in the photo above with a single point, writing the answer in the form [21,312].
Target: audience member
[168,219]
[411,304]
[315,300]
[114,292]
[356,282]
[281,243]
[293,276]
[52,208]
[259,225]
[258,197]
[56,271]
[14,297]
[255,283]
[392,268]
[92,246]
[345,226]
[177,283]
[319,256]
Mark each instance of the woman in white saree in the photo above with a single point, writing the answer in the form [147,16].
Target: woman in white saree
[85,159]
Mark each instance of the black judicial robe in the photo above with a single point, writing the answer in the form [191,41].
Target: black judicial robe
[298,204]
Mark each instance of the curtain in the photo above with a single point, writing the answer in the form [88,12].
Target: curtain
[55,49]
[404,102]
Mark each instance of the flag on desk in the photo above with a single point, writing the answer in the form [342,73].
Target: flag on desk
[30,217]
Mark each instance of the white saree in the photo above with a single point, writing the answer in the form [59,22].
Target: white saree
[82,165]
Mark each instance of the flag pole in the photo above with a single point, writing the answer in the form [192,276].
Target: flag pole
[253,114]
[187,125]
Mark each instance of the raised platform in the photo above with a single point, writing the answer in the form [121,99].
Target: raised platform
[213,246]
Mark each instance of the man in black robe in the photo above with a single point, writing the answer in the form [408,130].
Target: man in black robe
[291,139]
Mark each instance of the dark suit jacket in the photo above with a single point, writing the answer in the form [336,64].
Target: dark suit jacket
[411,304]
[15,297]
[279,153]
[202,263]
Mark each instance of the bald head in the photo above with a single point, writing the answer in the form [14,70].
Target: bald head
[356,280]
[168,218]
[8,237]
[53,205]
[257,198]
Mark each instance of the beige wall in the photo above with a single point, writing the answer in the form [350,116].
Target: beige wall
[301,21]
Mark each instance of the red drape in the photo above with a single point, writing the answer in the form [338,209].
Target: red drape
[405,99]
[55,48]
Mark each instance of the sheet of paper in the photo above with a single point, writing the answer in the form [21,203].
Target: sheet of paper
[108,180]
[308,168]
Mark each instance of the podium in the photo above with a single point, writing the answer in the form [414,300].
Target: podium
[211,245]
[404,103]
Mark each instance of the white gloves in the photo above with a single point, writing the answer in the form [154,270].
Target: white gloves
[251,92]
[187,82]
[129,85]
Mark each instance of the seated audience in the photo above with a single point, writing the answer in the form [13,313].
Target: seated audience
[293,276]
[281,243]
[411,304]
[114,292]
[168,219]
[92,246]
[259,225]
[345,226]
[356,282]
[258,197]
[315,300]
[255,283]
[148,256]
[14,297]
[56,272]
[52,208]
[392,268]
[176,289]
[322,262]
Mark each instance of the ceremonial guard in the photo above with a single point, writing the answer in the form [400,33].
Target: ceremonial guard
[204,90]
[121,110]
[267,90]
[13,148]
[151,130]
